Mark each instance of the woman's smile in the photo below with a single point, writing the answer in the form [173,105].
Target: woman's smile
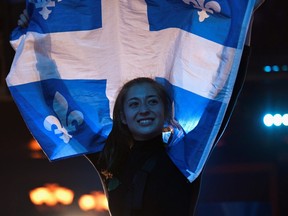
[145,122]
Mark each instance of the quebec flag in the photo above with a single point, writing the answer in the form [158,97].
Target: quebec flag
[75,55]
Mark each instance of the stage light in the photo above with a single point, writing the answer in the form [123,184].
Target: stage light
[267,68]
[284,68]
[276,120]
[87,202]
[51,195]
[35,150]
[285,119]
[275,68]
[42,195]
[96,201]
[268,120]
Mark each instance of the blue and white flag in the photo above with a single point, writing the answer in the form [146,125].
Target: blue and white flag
[75,55]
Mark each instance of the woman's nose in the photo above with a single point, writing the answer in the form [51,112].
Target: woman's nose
[144,109]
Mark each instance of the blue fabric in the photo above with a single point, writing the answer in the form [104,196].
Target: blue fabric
[164,14]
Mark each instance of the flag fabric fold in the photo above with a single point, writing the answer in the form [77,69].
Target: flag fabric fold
[75,55]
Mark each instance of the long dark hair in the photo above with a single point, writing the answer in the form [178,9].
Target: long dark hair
[120,139]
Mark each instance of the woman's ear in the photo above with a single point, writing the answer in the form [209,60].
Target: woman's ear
[123,119]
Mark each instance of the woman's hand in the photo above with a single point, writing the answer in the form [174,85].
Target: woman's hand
[23,20]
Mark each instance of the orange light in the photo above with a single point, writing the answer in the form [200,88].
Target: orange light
[101,201]
[40,195]
[51,194]
[95,201]
[35,150]
[63,195]
[34,145]
[86,202]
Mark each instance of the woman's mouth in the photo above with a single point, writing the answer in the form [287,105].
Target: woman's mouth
[145,122]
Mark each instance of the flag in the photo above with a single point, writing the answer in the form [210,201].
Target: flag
[75,55]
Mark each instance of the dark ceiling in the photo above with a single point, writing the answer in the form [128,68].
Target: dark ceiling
[270,30]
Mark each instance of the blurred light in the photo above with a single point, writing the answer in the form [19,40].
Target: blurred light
[51,195]
[63,195]
[95,201]
[41,195]
[268,120]
[285,68]
[35,150]
[267,68]
[33,145]
[86,202]
[285,119]
[275,68]
[101,201]
[276,120]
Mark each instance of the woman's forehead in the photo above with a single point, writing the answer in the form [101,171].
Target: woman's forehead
[141,91]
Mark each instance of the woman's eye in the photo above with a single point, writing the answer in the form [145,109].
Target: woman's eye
[133,104]
[153,101]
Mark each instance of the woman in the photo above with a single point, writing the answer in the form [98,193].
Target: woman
[138,176]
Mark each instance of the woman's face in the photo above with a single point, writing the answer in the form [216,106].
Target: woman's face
[143,112]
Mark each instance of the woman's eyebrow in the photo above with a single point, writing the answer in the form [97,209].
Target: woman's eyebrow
[137,98]
[133,98]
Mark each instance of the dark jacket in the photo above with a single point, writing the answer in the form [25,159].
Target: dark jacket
[150,184]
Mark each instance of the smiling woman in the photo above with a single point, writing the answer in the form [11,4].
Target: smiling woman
[143,112]
[138,175]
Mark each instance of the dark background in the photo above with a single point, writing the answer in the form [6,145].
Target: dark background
[247,173]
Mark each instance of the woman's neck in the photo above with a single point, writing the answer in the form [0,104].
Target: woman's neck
[152,143]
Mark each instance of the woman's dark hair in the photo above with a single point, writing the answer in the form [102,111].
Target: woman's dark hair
[120,139]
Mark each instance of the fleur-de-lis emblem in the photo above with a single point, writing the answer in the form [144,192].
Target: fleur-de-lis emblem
[44,4]
[210,7]
[66,122]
